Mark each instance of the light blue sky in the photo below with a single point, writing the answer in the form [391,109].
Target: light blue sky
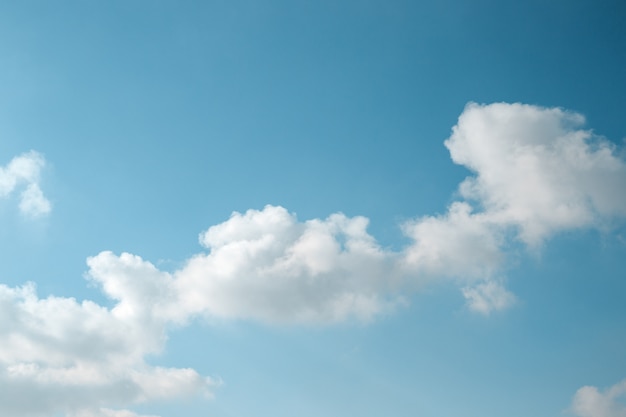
[159,119]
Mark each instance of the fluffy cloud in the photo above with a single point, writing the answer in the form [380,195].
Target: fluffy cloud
[590,402]
[265,264]
[262,265]
[24,170]
[535,173]
[460,243]
[76,357]
[537,170]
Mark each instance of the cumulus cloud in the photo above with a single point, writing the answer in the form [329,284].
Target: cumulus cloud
[77,357]
[535,173]
[537,170]
[591,402]
[24,171]
[460,243]
[265,265]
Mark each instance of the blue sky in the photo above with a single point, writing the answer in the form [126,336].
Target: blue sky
[312,208]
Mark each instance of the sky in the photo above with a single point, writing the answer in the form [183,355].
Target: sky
[312,208]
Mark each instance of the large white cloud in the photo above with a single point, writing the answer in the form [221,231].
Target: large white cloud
[261,265]
[25,170]
[536,172]
[265,264]
[77,357]
[591,402]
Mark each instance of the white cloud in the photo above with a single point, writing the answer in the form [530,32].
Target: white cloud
[33,203]
[536,170]
[261,265]
[106,412]
[77,357]
[25,170]
[461,244]
[536,173]
[590,402]
[487,297]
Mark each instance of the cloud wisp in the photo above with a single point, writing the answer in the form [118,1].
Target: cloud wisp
[25,171]
[591,402]
[535,173]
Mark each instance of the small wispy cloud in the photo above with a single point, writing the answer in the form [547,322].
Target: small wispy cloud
[24,171]
[487,297]
[591,402]
[106,412]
